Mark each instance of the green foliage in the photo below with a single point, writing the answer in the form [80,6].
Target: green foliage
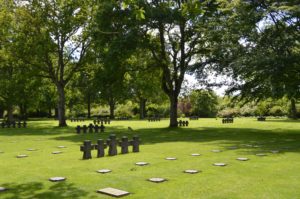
[204,103]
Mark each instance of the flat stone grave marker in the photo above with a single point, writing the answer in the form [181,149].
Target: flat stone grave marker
[216,151]
[22,156]
[261,154]
[242,159]
[233,147]
[31,149]
[3,189]
[274,151]
[220,164]
[191,171]
[56,152]
[195,154]
[157,180]
[61,147]
[171,158]
[57,179]
[142,163]
[113,192]
[104,171]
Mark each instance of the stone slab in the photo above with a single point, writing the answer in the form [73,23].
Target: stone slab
[261,154]
[57,179]
[104,171]
[216,151]
[171,158]
[220,164]
[61,147]
[242,159]
[274,151]
[142,163]
[22,156]
[3,189]
[195,154]
[113,192]
[31,149]
[56,152]
[232,147]
[191,171]
[157,180]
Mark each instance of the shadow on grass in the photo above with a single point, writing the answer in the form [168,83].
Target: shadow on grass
[38,191]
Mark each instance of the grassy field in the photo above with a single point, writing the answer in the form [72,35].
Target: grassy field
[273,176]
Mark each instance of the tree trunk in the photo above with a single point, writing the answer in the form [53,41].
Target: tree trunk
[61,106]
[173,110]
[112,109]
[10,116]
[89,106]
[293,109]
[49,112]
[143,108]
[1,112]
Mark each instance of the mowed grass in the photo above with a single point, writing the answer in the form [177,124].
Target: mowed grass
[272,176]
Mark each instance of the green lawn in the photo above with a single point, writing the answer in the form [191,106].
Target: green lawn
[272,176]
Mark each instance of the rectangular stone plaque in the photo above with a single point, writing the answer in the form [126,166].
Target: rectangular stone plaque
[113,192]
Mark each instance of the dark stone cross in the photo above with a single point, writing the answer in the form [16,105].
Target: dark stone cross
[112,144]
[180,122]
[135,142]
[102,127]
[186,123]
[84,128]
[24,124]
[124,144]
[86,148]
[78,129]
[100,146]
[91,128]
[96,127]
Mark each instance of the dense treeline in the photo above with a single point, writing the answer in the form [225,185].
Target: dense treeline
[60,57]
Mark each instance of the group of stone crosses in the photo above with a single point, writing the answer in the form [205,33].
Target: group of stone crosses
[153,119]
[90,128]
[227,120]
[112,144]
[78,119]
[261,118]
[13,124]
[102,120]
[183,123]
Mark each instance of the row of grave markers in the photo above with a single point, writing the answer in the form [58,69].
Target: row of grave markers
[98,121]
[90,128]
[112,144]
[13,124]
[153,119]
[183,123]
[227,120]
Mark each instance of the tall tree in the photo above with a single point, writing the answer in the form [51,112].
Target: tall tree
[55,41]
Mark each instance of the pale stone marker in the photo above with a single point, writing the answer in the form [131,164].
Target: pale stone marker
[171,158]
[220,164]
[232,147]
[3,189]
[216,151]
[31,149]
[61,147]
[104,171]
[113,192]
[195,154]
[274,151]
[22,156]
[56,152]
[142,163]
[261,154]
[157,180]
[191,171]
[242,159]
[57,179]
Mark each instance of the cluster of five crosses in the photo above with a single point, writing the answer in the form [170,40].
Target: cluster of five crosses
[112,144]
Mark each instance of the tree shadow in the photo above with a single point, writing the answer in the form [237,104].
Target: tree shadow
[260,140]
[37,190]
